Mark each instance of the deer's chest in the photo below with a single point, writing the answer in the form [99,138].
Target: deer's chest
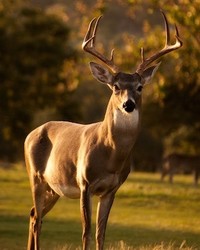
[103,169]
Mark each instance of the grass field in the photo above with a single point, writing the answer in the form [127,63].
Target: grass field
[147,214]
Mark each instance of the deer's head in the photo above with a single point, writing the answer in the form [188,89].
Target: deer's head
[127,88]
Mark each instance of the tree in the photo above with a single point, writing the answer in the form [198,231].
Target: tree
[33,47]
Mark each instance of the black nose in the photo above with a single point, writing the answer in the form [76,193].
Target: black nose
[129,106]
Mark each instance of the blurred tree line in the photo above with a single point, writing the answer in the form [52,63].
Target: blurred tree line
[44,74]
[35,50]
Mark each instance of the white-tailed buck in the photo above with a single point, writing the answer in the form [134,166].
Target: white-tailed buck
[79,161]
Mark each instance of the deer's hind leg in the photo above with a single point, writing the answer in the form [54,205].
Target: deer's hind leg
[38,188]
[44,198]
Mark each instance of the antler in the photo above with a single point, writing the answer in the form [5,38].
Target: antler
[89,45]
[167,48]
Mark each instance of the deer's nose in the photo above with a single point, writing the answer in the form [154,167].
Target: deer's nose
[129,106]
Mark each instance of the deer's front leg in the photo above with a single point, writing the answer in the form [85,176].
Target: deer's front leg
[103,210]
[85,208]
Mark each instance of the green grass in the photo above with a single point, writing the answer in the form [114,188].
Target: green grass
[147,214]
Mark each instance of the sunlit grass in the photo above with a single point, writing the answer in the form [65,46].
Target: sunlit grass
[147,214]
[123,246]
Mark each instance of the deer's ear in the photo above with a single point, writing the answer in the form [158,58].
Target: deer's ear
[148,74]
[101,73]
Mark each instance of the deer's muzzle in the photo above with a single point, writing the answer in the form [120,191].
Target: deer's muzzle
[129,106]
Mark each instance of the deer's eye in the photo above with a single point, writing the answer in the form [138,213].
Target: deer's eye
[116,88]
[139,88]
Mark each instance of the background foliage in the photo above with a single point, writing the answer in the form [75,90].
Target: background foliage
[44,74]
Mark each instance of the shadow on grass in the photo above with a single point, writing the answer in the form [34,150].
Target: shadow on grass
[14,233]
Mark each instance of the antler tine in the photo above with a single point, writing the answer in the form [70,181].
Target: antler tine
[142,54]
[178,40]
[95,30]
[88,38]
[167,41]
[167,48]
[88,45]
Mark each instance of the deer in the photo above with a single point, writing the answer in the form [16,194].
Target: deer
[80,161]
[180,163]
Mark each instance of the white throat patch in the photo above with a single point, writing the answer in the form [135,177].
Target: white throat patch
[126,120]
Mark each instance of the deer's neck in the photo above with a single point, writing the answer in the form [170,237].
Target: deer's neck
[120,128]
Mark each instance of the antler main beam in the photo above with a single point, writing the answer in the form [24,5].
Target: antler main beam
[89,45]
[167,48]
